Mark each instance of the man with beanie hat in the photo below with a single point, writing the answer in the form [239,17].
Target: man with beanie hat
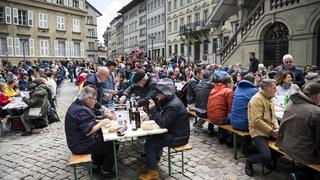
[298,134]
[143,86]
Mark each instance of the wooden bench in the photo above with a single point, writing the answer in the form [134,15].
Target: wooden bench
[81,160]
[228,128]
[272,145]
[177,150]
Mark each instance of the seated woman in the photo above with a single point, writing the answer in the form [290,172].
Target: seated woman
[38,99]
[11,89]
[285,88]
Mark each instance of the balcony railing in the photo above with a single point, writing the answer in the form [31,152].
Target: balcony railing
[195,26]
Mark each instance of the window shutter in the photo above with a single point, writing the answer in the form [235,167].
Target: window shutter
[80,5]
[82,49]
[54,1]
[45,20]
[15,15]
[10,46]
[73,25]
[31,47]
[46,42]
[17,46]
[65,2]
[40,20]
[71,49]
[58,22]
[56,48]
[78,25]
[48,0]
[62,23]
[30,18]
[8,15]
[67,49]
[71,3]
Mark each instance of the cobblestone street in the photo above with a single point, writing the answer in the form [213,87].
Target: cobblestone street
[45,155]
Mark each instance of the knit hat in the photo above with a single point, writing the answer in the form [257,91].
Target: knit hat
[138,76]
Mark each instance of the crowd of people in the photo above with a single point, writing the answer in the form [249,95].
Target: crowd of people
[244,97]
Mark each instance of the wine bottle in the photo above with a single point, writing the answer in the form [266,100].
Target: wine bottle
[286,101]
[133,120]
[137,117]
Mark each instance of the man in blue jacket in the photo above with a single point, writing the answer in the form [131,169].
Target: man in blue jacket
[241,97]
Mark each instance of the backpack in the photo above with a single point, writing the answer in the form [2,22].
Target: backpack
[53,116]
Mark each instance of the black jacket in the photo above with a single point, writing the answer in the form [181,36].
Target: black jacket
[191,90]
[253,66]
[145,93]
[202,91]
[93,80]
[171,114]
[79,121]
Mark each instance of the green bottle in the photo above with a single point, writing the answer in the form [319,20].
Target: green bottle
[286,101]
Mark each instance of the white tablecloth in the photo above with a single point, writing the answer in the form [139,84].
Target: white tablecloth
[16,103]
[131,134]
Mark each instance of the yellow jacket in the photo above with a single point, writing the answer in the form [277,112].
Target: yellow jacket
[10,92]
[261,115]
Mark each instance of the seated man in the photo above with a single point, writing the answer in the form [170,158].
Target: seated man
[169,113]
[219,105]
[262,124]
[202,91]
[83,132]
[241,97]
[143,86]
[299,131]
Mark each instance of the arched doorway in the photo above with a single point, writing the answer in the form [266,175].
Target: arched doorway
[275,44]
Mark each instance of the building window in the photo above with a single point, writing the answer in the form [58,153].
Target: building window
[90,20]
[169,27]
[60,23]
[175,24]
[3,46]
[205,47]
[61,48]
[174,4]
[60,1]
[189,20]
[170,50]
[181,3]
[77,49]
[169,6]
[24,47]
[76,25]
[44,47]
[43,20]
[205,15]
[91,32]
[214,45]
[20,17]
[188,1]
[182,49]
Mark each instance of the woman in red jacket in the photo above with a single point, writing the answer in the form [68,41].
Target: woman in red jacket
[4,99]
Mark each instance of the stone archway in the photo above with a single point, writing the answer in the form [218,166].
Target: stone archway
[276,44]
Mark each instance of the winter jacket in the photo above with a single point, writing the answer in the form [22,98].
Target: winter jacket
[202,91]
[190,90]
[219,103]
[172,115]
[79,121]
[299,133]
[145,93]
[4,99]
[38,99]
[253,66]
[261,115]
[241,97]
[297,73]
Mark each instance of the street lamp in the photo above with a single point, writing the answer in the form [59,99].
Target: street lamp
[152,38]
[188,30]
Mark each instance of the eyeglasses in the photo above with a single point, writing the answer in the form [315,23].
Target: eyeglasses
[94,98]
[288,62]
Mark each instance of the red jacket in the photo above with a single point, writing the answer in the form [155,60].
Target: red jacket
[4,99]
[219,103]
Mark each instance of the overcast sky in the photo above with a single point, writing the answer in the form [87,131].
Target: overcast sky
[108,9]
